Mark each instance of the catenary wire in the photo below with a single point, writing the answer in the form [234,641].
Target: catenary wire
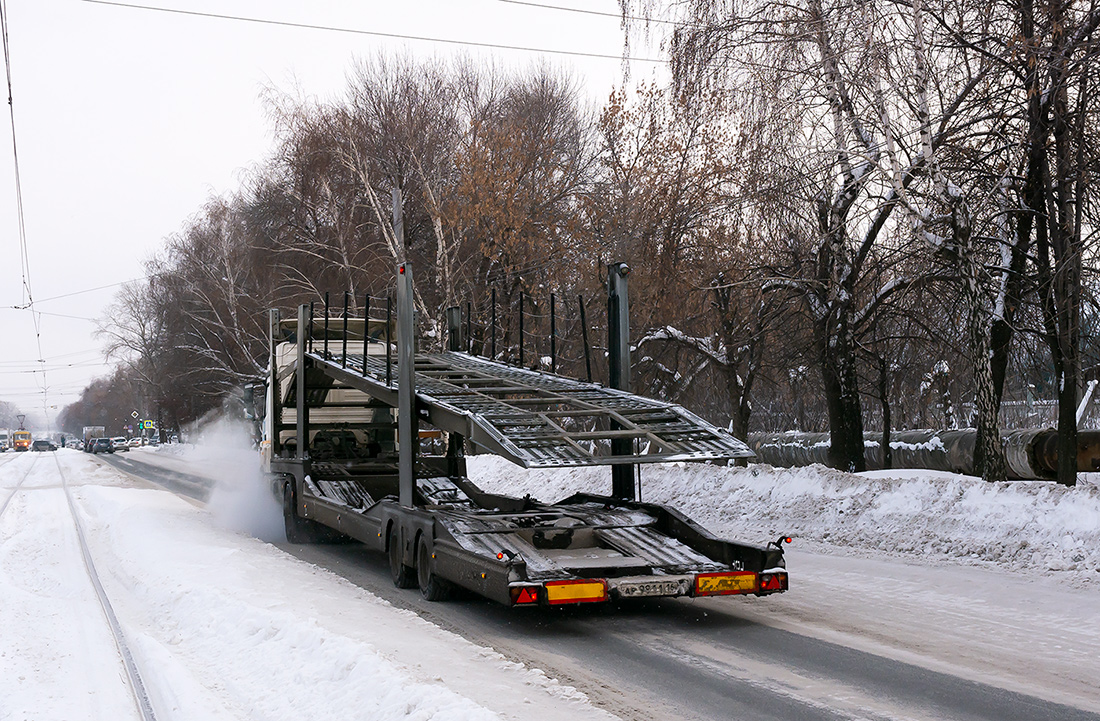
[28,296]
[599,13]
[372,33]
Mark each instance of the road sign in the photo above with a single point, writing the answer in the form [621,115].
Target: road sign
[135,414]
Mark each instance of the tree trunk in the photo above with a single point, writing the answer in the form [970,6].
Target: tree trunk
[838,372]
[989,456]
[884,399]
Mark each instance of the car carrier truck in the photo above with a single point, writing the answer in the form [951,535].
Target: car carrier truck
[349,399]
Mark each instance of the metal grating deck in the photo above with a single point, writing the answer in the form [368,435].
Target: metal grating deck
[539,419]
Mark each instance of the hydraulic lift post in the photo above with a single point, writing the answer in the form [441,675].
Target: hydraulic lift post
[407,432]
[618,345]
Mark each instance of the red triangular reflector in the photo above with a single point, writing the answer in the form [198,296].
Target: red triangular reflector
[527,595]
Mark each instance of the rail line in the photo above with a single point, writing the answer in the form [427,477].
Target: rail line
[137,685]
[15,490]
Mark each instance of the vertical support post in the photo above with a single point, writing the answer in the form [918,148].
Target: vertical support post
[454,328]
[274,408]
[310,336]
[389,340]
[326,325]
[344,342]
[618,345]
[521,329]
[366,330]
[469,328]
[493,347]
[302,425]
[408,436]
[584,334]
[553,337]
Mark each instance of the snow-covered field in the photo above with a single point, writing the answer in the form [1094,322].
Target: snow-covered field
[942,570]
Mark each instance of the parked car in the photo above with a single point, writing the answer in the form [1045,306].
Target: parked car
[136,442]
[43,445]
[103,445]
[120,443]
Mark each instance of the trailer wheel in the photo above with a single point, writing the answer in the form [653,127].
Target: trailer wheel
[432,587]
[298,529]
[403,576]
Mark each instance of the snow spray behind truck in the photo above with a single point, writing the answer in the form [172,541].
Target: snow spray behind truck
[349,401]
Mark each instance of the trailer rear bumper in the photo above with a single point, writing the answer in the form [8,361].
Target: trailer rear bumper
[698,585]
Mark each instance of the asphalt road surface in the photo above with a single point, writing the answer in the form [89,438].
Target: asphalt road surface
[683,658]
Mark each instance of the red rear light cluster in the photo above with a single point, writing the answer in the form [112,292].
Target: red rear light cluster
[773,582]
[524,595]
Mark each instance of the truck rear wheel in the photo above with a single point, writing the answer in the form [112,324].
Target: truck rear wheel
[432,587]
[298,529]
[403,576]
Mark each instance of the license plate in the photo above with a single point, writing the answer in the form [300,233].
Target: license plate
[638,589]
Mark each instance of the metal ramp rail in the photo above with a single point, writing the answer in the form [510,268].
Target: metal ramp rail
[536,419]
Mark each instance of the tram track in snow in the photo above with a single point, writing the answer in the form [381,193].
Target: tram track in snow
[19,485]
[137,684]
[138,689]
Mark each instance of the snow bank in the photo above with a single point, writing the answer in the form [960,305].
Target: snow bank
[1020,525]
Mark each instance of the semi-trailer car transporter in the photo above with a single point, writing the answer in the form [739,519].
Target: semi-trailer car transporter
[337,391]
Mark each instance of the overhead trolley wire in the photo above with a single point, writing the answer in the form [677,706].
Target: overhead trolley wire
[24,256]
[600,13]
[372,33]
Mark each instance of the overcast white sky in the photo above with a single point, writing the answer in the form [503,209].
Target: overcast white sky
[129,119]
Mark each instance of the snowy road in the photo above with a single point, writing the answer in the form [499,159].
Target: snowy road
[223,627]
[860,654]
[52,622]
[871,637]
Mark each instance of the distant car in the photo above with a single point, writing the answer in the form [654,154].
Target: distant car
[120,443]
[43,445]
[103,445]
[135,442]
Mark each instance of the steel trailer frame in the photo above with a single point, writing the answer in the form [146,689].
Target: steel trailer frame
[439,529]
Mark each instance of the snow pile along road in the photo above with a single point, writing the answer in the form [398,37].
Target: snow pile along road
[1020,525]
[223,626]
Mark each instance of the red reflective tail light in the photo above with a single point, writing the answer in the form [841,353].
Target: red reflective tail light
[773,582]
[524,595]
